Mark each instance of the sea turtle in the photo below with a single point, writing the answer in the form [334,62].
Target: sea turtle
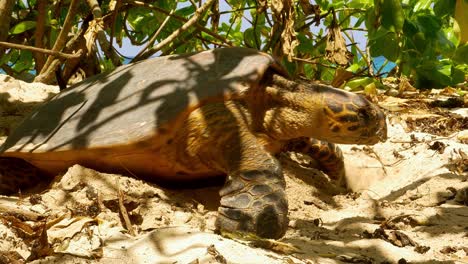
[191,117]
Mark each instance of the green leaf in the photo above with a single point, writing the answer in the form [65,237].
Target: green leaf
[118,30]
[386,45]
[444,8]
[249,38]
[372,21]
[458,75]
[305,44]
[359,21]
[451,36]
[420,42]
[327,74]
[324,5]
[461,54]
[422,5]
[353,67]
[185,11]
[22,27]
[392,15]
[428,24]
[358,83]
[443,45]
[309,70]
[341,16]
[410,28]
[5,58]
[440,73]
[25,61]
[337,4]
[359,3]
[381,32]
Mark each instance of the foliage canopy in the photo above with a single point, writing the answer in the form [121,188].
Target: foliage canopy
[426,39]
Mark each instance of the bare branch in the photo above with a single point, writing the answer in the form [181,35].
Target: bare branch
[153,38]
[44,51]
[196,25]
[193,20]
[48,71]
[98,30]
[6,6]
[39,34]
[314,62]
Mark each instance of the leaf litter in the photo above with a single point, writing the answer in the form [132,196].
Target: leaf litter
[409,205]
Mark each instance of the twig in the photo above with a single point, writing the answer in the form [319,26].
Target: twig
[123,211]
[354,29]
[39,33]
[155,35]
[254,24]
[237,10]
[19,212]
[193,20]
[196,25]
[364,56]
[313,62]
[378,159]
[45,51]
[97,27]
[6,7]
[112,25]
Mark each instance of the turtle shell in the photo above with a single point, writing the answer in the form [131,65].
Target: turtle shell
[136,102]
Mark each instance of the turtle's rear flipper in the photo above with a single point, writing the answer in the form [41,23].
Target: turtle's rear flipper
[17,175]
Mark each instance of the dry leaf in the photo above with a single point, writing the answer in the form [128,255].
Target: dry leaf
[284,13]
[336,50]
[341,76]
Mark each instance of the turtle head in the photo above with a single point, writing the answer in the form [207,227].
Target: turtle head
[348,118]
[323,112]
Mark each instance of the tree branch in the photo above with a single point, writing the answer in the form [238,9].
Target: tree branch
[39,34]
[6,7]
[193,20]
[101,35]
[153,38]
[48,71]
[44,51]
[196,25]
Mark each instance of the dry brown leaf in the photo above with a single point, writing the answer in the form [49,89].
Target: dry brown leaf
[405,86]
[285,15]
[309,8]
[336,50]
[341,76]
[11,257]
[40,246]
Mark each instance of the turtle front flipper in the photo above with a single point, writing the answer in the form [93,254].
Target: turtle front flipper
[328,156]
[254,201]
[17,175]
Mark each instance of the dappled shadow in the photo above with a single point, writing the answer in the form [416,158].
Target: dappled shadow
[13,111]
[338,252]
[115,108]
[141,100]
[438,226]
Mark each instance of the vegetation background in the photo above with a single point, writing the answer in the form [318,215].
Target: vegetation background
[64,41]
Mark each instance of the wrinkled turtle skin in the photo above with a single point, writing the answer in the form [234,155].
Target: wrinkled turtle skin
[224,112]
